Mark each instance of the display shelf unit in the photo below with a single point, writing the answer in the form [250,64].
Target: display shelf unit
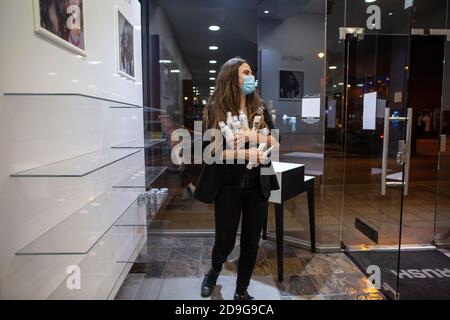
[88,235]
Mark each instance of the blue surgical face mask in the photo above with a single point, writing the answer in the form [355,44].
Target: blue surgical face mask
[249,85]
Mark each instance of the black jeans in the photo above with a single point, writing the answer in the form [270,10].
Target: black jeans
[230,202]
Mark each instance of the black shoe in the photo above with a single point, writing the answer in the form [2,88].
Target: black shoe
[243,296]
[209,282]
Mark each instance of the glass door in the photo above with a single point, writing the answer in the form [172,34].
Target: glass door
[442,219]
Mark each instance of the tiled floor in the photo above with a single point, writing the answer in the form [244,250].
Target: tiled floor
[172,268]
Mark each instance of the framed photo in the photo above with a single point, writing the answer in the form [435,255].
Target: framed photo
[291,85]
[61,21]
[125,46]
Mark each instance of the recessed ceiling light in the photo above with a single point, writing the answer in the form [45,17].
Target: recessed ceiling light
[175,71]
[165,61]
[321,55]
[212,88]
[212,61]
[214,28]
[332,67]
[212,78]
[266,11]
[212,71]
[213,48]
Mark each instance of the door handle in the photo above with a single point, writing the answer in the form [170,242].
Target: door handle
[443,143]
[409,120]
[403,154]
[387,113]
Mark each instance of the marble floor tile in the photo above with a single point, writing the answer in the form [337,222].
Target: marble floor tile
[291,266]
[342,284]
[208,242]
[130,287]
[297,286]
[262,268]
[188,242]
[344,262]
[160,241]
[186,269]
[321,264]
[153,269]
[270,250]
[261,288]
[181,289]
[149,254]
[228,268]
[205,253]
[149,289]
[316,297]
[363,296]
[185,253]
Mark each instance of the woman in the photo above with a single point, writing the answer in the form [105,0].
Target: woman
[232,186]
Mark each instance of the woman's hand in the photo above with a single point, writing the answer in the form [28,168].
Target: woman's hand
[255,156]
[250,136]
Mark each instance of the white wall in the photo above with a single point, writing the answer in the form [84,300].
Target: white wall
[300,35]
[35,131]
[28,58]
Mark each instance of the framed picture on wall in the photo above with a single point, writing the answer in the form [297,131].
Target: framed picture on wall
[61,21]
[125,46]
[291,84]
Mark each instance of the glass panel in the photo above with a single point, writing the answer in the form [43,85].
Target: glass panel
[80,232]
[367,121]
[291,48]
[425,99]
[181,70]
[442,220]
[375,90]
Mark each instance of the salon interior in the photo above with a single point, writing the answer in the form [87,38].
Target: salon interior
[359,91]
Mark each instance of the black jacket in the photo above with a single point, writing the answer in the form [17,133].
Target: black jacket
[208,183]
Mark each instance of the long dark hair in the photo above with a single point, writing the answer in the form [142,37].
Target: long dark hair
[227,97]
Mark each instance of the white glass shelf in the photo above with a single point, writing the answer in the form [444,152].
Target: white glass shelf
[136,180]
[141,213]
[80,97]
[148,143]
[78,166]
[80,232]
